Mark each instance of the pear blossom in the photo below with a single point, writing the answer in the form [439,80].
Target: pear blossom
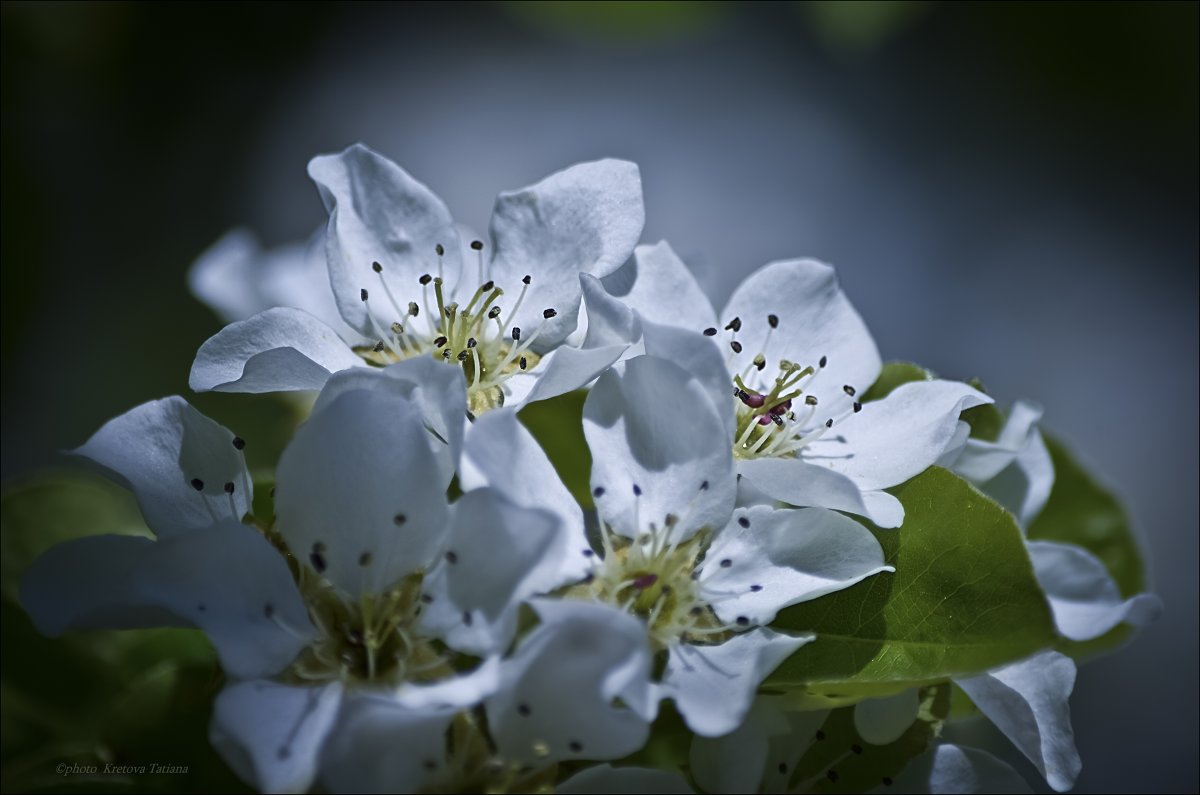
[704,578]
[501,312]
[796,359]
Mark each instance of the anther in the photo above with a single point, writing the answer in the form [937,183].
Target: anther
[710,332]
[824,361]
[439,249]
[742,621]
[364,559]
[704,486]
[526,280]
[362,294]
[773,321]
[523,710]
[783,768]
[820,735]
[378,347]
[735,325]
[887,781]
[856,748]
[466,617]
[462,356]
[598,491]
[743,521]
[832,775]
[849,390]
[726,563]
[477,245]
[637,490]
[471,343]
[268,610]
[737,346]
[318,561]
[452,557]
[197,484]
[439,342]
[549,313]
[487,286]
[399,519]
[760,362]
[516,333]
[575,746]
[522,363]
[397,328]
[425,279]
[239,443]
[229,487]
[857,407]
[810,400]
[375,266]
[755,588]
[829,422]
[413,309]
[493,313]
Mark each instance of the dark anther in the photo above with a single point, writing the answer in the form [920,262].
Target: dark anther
[399,519]
[378,347]
[820,734]
[522,362]
[598,491]
[783,768]
[832,775]
[704,486]
[239,443]
[856,748]
[268,610]
[755,588]
[742,621]
[696,610]
[526,279]
[430,765]
[493,313]
[427,598]
[887,781]
[726,563]
[471,343]
[284,752]
[439,342]
[477,245]
[710,332]
[452,557]
[516,333]
[229,487]
[364,559]
[549,313]
[575,746]
[857,407]
[637,490]
[318,562]
[824,361]
[466,617]
[587,553]
[197,484]
[829,422]
[375,266]
[523,710]
[462,356]
[440,249]
[735,325]
[737,346]
[849,390]
[743,521]
[488,285]
[773,321]
[425,278]
[362,294]
[810,400]
[413,309]
[202,607]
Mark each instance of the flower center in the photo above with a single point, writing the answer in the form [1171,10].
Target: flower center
[470,335]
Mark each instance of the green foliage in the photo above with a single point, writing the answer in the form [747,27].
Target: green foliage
[963,599]
[892,375]
[557,424]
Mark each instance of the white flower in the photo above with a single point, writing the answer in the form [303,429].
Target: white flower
[796,357]
[400,279]
[1017,472]
[705,579]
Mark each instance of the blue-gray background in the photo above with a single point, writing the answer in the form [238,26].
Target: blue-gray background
[1009,191]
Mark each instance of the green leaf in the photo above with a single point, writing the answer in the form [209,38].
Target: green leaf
[963,599]
[1082,512]
[892,375]
[557,424]
[841,761]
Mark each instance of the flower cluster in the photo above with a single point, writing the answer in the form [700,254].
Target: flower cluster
[784,556]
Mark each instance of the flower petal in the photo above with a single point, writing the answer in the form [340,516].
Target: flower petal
[780,558]
[1027,700]
[735,762]
[609,320]
[604,779]
[91,583]
[381,747]
[359,494]
[501,453]
[658,449]
[271,734]
[161,450]
[462,691]
[815,320]
[1024,486]
[701,358]
[566,369]
[800,483]
[882,721]
[585,219]
[560,688]
[1083,597]
[734,669]
[982,460]
[279,350]
[232,583]
[949,768]
[786,750]
[657,284]
[436,389]
[894,439]
[501,554]
[378,213]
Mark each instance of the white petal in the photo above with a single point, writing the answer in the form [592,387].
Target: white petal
[656,284]
[949,768]
[800,483]
[982,460]
[91,583]
[1027,700]
[1083,597]
[459,692]
[894,439]
[609,320]
[734,669]
[437,390]
[786,750]
[604,779]
[378,213]
[279,350]
[501,453]
[157,450]
[815,320]
[359,490]
[559,689]
[653,430]
[232,583]
[701,358]
[585,219]
[271,734]
[382,747]
[735,762]
[501,554]
[1024,486]
[566,369]
[225,276]
[781,558]
[882,721]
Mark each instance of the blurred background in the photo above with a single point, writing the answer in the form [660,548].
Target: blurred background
[1008,190]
